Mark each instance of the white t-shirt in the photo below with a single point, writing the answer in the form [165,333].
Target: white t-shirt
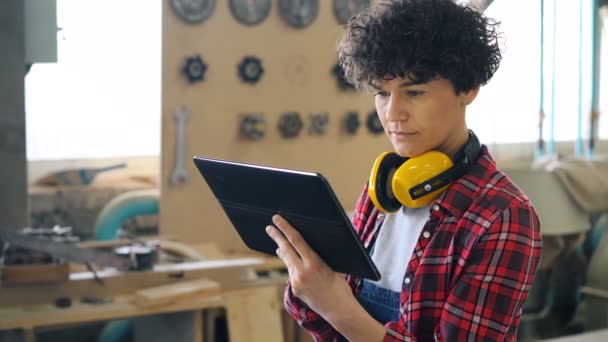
[395,244]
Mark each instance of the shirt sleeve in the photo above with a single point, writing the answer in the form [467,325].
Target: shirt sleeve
[486,301]
[316,325]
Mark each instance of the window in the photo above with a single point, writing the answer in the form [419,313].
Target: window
[103,96]
[507,109]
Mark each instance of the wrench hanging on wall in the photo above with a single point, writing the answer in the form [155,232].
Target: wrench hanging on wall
[180,173]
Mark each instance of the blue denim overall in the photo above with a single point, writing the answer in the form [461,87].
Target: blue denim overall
[382,304]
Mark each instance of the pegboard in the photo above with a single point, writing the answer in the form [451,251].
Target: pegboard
[298,65]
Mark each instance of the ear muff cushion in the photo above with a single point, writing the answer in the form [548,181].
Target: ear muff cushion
[379,187]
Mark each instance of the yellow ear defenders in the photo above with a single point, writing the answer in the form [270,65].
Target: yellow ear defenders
[397,181]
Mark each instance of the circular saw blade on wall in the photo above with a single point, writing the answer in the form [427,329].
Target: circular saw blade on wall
[193,11]
[299,13]
[250,12]
[346,9]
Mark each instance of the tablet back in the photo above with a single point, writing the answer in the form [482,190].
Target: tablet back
[251,194]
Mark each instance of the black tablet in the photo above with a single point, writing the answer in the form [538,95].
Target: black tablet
[251,194]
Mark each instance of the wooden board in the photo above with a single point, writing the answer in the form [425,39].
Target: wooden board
[167,294]
[254,315]
[14,275]
[227,273]
[120,307]
[297,77]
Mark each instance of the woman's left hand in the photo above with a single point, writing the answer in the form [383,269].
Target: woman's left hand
[322,289]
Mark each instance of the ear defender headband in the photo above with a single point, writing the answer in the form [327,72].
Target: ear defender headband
[397,181]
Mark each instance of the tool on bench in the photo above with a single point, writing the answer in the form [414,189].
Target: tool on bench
[141,256]
[77,176]
[61,250]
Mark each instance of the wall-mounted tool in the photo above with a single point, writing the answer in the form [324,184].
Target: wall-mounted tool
[352,122]
[251,69]
[252,127]
[180,173]
[341,81]
[318,123]
[250,12]
[299,13]
[346,9]
[373,123]
[193,11]
[290,125]
[194,69]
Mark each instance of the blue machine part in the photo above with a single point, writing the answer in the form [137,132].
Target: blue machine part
[122,207]
[117,331]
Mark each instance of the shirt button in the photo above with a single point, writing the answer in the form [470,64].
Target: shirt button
[435,207]
[426,234]
[407,280]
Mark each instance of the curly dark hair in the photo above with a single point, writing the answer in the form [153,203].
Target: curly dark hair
[420,39]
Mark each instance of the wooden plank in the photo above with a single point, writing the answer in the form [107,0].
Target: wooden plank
[269,263]
[120,307]
[13,275]
[226,272]
[209,251]
[254,315]
[167,245]
[29,335]
[167,294]
[209,319]
[198,326]
[180,249]
[121,242]
[595,292]
[593,336]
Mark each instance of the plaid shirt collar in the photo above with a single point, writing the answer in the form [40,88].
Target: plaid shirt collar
[459,196]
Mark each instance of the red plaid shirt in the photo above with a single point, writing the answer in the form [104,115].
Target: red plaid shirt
[470,277]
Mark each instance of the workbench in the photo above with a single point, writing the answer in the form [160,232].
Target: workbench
[253,306]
